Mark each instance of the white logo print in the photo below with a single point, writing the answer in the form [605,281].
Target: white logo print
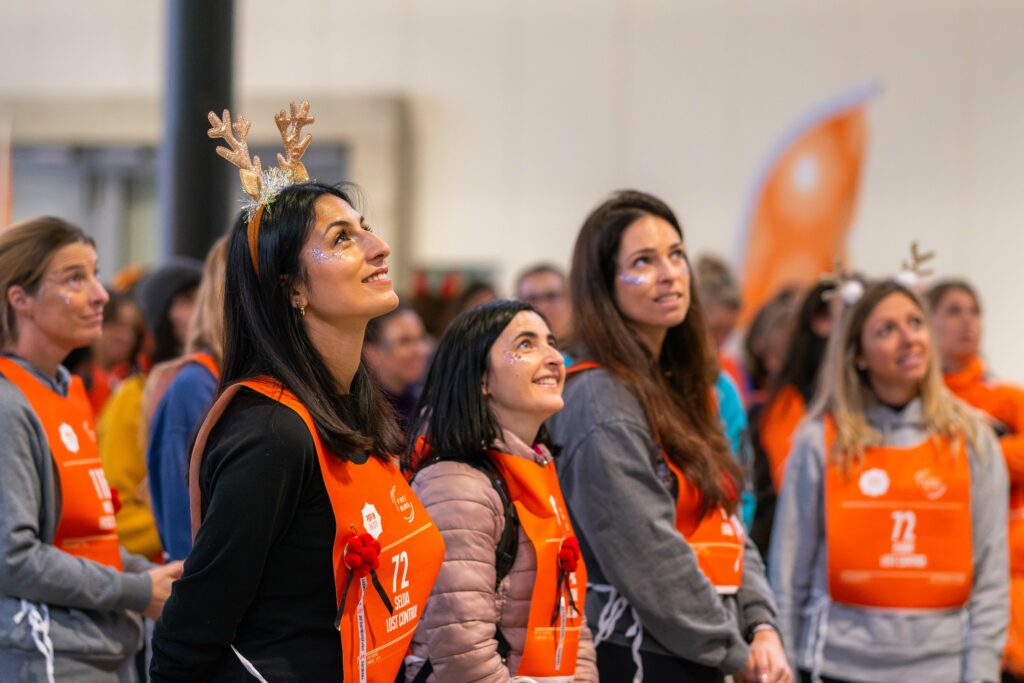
[371,521]
[874,483]
[403,505]
[68,436]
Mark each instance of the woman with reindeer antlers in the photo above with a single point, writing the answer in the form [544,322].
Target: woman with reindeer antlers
[889,554]
[303,525]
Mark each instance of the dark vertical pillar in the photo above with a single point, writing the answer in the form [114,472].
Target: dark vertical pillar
[194,187]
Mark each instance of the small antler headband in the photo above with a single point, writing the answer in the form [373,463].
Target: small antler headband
[844,285]
[262,187]
[911,272]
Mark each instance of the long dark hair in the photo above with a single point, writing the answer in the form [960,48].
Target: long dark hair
[675,389]
[264,334]
[452,412]
[806,351]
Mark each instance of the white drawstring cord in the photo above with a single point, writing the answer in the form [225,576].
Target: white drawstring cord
[609,617]
[817,636]
[39,622]
[248,666]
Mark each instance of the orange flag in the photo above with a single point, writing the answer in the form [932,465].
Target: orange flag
[6,175]
[798,215]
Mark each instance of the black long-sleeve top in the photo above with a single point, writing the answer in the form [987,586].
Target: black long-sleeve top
[260,574]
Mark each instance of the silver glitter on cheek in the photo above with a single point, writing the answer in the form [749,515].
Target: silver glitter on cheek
[66,298]
[513,358]
[318,255]
[635,279]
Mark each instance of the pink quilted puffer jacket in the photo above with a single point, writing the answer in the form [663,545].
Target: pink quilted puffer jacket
[457,629]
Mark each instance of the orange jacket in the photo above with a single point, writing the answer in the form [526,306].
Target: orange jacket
[1003,402]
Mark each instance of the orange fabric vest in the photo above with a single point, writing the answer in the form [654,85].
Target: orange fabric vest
[86,528]
[371,498]
[556,605]
[1005,404]
[778,422]
[717,540]
[898,526]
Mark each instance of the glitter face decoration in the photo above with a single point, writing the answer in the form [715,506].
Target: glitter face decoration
[320,256]
[514,357]
[635,280]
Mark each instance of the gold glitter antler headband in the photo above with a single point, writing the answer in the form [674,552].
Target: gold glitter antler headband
[237,151]
[262,187]
[290,128]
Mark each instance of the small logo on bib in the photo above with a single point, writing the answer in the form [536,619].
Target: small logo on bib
[403,505]
[874,483]
[931,484]
[68,437]
[371,521]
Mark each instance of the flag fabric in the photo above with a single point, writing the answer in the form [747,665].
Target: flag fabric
[802,202]
[6,175]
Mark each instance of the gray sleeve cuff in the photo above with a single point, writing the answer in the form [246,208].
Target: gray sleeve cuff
[136,592]
[735,659]
[981,664]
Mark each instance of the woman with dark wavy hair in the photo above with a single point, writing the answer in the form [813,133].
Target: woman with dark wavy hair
[676,591]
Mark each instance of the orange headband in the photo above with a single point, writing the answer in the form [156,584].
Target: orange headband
[253,233]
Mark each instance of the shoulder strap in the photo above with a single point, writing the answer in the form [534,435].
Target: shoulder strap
[508,544]
[577,368]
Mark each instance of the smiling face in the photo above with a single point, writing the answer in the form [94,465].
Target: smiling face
[525,374]
[957,320]
[66,307]
[895,348]
[652,284]
[345,264]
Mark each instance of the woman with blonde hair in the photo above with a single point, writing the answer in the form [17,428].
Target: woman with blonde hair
[889,552]
[71,598]
[178,393]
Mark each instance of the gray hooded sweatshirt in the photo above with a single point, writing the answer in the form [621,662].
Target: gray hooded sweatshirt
[889,646]
[85,615]
[624,513]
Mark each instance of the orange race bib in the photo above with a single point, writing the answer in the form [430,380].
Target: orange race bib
[778,423]
[379,518]
[556,605]
[899,526]
[86,528]
[717,540]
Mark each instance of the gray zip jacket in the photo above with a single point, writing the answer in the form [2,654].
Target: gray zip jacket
[883,646]
[624,515]
[86,615]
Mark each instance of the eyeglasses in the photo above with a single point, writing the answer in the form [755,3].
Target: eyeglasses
[544,297]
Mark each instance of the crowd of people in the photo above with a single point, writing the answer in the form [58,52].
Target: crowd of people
[264,468]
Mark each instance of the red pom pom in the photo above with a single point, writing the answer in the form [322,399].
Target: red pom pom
[569,554]
[354,544]
[368,554]
[115,499]
[353,560]
[376,546]
[375,563]
[366,539]
[361,571]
